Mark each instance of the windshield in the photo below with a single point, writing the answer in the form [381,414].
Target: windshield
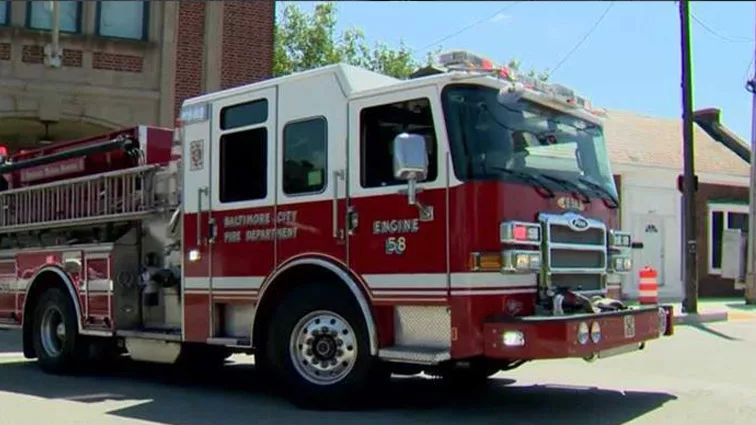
[489,140]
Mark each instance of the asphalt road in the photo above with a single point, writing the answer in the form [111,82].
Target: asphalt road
[703,375]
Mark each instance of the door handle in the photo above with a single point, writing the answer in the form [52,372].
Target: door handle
[337,175]
[200,192]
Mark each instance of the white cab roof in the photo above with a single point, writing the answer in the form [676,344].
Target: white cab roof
[352,80]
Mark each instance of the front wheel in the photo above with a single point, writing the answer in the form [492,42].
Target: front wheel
[319,345]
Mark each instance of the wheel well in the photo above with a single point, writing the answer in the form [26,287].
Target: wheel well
[282,285]
[44,281]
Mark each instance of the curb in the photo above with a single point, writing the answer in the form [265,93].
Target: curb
[694,319]
[740,315]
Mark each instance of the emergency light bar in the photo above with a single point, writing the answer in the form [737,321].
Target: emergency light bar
[462,60]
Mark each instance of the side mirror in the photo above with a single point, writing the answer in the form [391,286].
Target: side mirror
[410,161]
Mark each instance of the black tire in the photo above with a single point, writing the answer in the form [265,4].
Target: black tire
[347,393]
[56,355]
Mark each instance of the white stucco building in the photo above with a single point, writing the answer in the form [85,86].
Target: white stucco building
[646,155]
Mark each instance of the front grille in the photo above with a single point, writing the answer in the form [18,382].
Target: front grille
[563,234]
[578,282]
[576,259]
[566,259]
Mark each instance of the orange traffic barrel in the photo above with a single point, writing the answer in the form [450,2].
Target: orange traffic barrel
[648,288]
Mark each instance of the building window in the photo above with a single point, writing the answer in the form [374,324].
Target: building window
[304,158]
[5,12]
[721,217]
[123,19]
[379,126]
[39,15]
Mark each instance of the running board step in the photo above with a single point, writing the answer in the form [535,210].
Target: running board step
[415,355]
[152,334]
[230,342]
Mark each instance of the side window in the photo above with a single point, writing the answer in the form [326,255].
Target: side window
[378,127]
[244,114]
[244,153]
[304,156]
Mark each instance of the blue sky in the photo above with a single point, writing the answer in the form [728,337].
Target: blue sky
[630,62]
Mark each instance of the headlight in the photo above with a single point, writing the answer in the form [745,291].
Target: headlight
[515,232]
[583,333]
[619,240]
[621,264]
[513,339]
[518,260]
[595,332]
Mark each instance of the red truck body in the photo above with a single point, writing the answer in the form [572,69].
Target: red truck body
[366,212]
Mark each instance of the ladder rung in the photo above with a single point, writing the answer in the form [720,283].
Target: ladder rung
[111,196]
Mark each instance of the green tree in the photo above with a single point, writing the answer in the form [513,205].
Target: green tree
[309,40]
[304,41]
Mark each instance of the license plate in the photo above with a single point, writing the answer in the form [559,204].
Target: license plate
[629,326]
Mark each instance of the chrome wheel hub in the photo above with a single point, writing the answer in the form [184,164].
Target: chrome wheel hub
[53,332]
[323,347]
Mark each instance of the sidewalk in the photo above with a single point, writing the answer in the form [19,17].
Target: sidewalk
[712,310]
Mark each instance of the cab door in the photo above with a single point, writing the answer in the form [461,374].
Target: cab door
[242,203]
[311,162]
[399,249]
[228,207]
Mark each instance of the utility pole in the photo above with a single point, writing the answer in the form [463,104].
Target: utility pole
[690,305]
[53,52]
[750,289]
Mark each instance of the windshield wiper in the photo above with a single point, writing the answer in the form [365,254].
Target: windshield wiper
[569,185]
[527,177]
[600,189]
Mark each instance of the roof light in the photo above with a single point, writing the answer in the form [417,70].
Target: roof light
[194,113]
[463,60]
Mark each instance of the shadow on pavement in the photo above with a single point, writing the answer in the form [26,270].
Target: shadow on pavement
[742,306]
[232,396]
[702,327]
[10,341]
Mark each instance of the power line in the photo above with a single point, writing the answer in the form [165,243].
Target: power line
[748,70]
[474,24]
[717,34]
[585,37]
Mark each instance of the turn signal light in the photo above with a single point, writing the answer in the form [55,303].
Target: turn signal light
[486,261]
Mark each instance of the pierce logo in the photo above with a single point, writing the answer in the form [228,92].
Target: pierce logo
[578,224]
[570,203]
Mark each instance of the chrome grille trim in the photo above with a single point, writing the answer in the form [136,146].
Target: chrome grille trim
[561,241]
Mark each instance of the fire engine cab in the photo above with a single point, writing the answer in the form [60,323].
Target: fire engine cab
[339,224]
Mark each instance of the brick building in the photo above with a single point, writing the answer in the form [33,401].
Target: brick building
[122,62]
[646,155]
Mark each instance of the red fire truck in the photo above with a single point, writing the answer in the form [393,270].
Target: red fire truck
[339,224]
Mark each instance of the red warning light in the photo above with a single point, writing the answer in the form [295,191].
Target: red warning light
[520,232]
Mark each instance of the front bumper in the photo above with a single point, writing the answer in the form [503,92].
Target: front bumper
[554,337]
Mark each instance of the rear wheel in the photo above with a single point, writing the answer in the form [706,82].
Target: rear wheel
[319,346]
[55,333]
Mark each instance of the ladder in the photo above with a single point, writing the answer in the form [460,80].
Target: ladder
[113,196]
